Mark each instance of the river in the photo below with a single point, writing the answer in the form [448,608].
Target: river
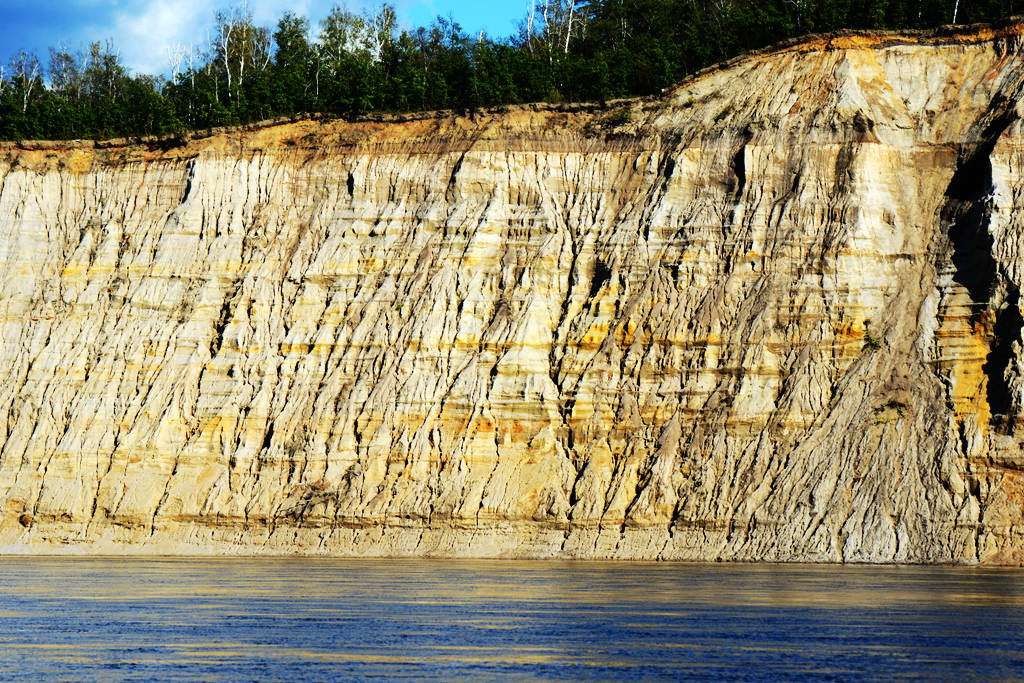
[315,619]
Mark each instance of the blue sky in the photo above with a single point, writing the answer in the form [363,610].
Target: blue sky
[143,30]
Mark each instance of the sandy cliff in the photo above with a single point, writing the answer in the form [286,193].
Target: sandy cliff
[775,315]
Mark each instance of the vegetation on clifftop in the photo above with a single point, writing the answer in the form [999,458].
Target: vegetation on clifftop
[350,64]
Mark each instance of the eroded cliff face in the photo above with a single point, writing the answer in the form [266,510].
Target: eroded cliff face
[774,316]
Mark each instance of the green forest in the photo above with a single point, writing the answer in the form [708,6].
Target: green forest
[348,64]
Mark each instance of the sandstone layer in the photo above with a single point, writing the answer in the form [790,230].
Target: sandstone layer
[772,315]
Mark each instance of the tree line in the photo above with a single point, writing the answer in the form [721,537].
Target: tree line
[352,63]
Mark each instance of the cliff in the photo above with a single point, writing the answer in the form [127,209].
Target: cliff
[772,315]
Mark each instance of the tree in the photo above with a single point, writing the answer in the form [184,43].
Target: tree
[67,77]
[342,55]
[380,30]
[104,74]
[293,62]
[341,33]
[26,76]
[239,47]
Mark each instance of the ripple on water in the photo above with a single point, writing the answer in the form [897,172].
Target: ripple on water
[97,618]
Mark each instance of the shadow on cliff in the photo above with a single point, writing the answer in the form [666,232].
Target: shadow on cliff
[995,297]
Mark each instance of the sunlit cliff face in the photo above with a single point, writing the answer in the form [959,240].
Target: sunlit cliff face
[773,315]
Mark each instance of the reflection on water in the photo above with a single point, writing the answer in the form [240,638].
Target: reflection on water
[232,619]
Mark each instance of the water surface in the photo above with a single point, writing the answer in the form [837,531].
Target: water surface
[232,619]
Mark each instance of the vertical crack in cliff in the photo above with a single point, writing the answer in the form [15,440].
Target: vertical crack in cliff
[217,339]
[190,174]
[738,167]
[602,274]
[1006,330]
[994,297]
[967,214]
[736,184]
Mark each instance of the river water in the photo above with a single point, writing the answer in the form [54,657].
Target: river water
[310,619]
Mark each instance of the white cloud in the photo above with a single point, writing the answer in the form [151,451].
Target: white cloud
[144,31]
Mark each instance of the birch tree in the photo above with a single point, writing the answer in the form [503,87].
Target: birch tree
[104,74]
[176,55]
[529,24]
[558,24]
[341,33]
[27,74]
[67,71]
[380,30]
[239,47]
